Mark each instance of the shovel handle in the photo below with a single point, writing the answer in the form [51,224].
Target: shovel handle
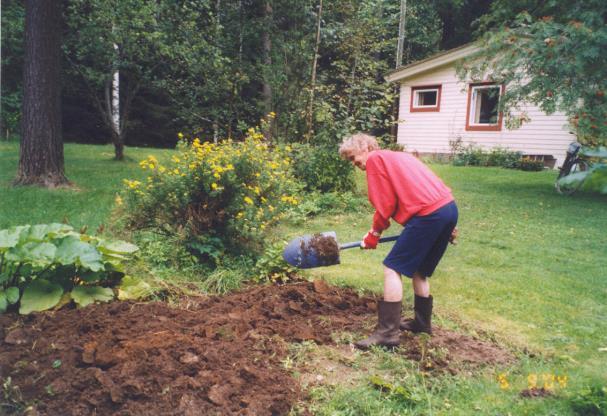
[357,243]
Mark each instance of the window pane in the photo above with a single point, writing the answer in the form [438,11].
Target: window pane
[427,98]
[485,105]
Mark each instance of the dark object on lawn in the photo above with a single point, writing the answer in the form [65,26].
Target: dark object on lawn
[319,250]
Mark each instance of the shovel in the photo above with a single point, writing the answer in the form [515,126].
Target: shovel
[319,250]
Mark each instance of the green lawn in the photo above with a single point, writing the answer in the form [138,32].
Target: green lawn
[530,268]
[95,176]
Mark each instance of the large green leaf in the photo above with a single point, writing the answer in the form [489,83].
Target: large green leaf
[600,151]
[90,276]
[56,229]
[573,178]
[37,232]
[85,295]
[38,254]
[3,302]
[72,250]
[118,247]
[12,294]
[9,238]
[40,295]
[132,288]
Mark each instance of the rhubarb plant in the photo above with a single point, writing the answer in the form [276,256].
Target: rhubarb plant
[44,265]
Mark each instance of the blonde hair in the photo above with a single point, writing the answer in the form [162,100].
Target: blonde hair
[359,142]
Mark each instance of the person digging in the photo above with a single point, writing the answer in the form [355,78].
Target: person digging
[401,187]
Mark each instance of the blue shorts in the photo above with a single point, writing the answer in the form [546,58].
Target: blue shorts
[423,242]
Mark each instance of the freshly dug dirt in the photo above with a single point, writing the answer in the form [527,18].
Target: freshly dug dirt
[452,351]
[218,356]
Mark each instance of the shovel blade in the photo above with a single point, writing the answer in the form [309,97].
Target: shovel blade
[309,251]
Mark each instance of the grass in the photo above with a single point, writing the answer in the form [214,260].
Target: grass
[95,176]
[529,269]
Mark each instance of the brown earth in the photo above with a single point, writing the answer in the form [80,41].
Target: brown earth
[219,355]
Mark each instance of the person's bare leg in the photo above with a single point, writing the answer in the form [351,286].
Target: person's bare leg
[421,285]
[393,286]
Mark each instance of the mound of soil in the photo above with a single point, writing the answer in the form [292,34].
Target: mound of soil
[453,352]
[220,355]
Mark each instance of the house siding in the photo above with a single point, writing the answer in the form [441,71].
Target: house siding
[431,132]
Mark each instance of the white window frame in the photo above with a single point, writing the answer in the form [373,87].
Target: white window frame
[472,104]
[416,97]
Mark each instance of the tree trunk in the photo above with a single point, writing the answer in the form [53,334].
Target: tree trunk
[41,150]
[117,136]
[401,33]
[313,81]
[115,108]
[399,61]
[267,60]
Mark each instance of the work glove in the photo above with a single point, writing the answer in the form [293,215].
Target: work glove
[370,240]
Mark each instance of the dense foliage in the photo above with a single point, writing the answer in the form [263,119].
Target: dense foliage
[472,155]
[212,68]
[41,265]
[550,54]
[320,168]
[214,198]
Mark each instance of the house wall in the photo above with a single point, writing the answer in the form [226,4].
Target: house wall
[430,132]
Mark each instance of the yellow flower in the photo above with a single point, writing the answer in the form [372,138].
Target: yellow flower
[213,186]
[240,215]
[532,380]
[176,159]
[151,166]
[248,200]
[161,169]
[176,171]
[180,135]
[118,200]
[503,381]
[216,175]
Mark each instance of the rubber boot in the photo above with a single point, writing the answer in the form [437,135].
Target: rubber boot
[386,332]
[422,322]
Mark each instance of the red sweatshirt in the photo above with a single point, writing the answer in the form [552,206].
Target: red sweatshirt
[400,186]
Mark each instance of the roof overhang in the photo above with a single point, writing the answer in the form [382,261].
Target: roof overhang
[432,62]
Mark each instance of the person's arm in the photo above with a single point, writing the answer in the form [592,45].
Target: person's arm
[383,199]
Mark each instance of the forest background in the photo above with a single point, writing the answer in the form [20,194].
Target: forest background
[212,68]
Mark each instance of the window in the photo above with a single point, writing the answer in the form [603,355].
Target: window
[482,113]
[425,98]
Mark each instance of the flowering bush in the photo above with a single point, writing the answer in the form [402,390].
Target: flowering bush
[213,197]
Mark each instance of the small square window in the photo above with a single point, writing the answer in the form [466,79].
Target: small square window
[483,105]
[425,98]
